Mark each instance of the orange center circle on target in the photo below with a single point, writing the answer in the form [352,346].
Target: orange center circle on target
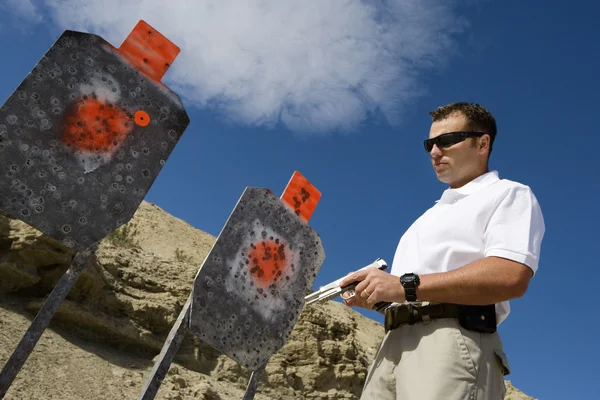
[267,261]
[141,118]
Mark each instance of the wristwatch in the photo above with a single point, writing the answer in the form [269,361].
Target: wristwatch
[410,282]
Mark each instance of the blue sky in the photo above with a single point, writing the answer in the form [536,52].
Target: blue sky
[533,64]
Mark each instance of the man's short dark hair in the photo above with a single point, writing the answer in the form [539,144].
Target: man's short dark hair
[479,118]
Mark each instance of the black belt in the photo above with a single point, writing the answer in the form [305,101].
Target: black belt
[480,318]
[396,316]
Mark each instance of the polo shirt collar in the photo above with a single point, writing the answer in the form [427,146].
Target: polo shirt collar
[452,195]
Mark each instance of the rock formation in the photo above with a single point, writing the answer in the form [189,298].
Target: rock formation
[114,321]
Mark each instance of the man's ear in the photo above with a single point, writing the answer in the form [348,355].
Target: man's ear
[484,143]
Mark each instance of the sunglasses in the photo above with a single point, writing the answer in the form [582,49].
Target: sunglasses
[449,139]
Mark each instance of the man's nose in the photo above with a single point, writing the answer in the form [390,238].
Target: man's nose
[435,152]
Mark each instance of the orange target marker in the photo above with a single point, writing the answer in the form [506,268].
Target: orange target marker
[96,127]
[148,51]
[141,118]
[267,261]
[301,195]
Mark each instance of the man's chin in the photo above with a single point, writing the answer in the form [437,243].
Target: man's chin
[444,178]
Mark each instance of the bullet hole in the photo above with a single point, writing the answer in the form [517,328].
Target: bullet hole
[118,208]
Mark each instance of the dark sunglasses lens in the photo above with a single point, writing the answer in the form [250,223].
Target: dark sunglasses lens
[428,145]
[441,141]
[447,140]
[444,140]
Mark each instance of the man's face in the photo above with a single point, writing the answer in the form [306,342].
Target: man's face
[455,165]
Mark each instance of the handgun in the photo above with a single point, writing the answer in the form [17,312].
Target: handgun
[333,289]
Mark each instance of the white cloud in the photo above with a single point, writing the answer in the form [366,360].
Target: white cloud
[22,9]
[314,65]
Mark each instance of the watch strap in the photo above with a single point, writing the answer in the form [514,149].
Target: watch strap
[411,293]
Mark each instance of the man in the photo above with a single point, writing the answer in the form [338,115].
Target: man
[454,272]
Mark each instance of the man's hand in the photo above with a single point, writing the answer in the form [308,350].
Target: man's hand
[375,286]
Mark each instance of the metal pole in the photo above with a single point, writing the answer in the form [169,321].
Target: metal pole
[168,351]
[253,383]
[42,319]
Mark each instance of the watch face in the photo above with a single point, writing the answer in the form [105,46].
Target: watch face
[409,278]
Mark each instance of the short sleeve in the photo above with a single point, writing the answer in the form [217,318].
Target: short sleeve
[516,228]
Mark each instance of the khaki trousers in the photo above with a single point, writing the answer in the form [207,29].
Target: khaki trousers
[437,360]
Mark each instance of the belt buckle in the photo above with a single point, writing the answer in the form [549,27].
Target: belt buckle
[388,319]
[413,313]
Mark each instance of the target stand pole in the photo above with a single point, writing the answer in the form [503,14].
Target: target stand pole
[253,383]
[168,351]
[42,320]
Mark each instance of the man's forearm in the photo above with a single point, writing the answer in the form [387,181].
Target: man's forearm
[485,281]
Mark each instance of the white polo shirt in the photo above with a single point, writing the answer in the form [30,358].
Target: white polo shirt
[486,217]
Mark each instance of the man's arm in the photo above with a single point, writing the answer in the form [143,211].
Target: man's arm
[485,281]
